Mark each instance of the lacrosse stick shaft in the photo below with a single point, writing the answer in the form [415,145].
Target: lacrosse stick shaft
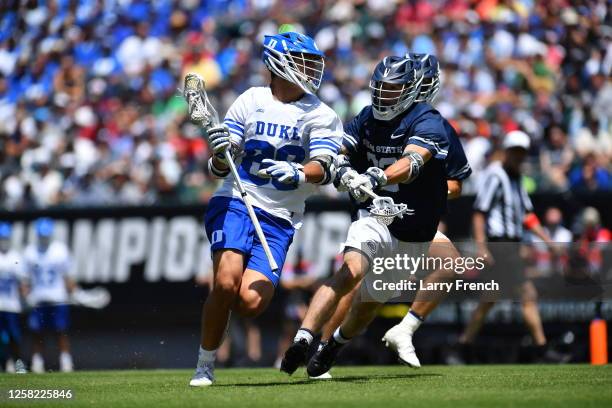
[213,119]
[249,206]
[368,191]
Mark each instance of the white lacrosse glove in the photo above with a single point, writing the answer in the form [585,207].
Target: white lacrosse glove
[219,141]
[344,173]
[286,172]
[372,179]
[343,181]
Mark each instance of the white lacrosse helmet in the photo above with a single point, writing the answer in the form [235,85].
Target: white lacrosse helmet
[296,58]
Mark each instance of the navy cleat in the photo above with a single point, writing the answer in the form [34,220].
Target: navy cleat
[295,356]
[324,358]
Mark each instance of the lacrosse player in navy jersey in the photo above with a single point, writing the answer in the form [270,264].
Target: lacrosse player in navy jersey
[410,141]
[399,337]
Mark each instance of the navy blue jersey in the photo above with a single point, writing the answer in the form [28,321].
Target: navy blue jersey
[376,143]
[457,166]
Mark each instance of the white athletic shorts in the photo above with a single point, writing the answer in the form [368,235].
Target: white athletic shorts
[374,240]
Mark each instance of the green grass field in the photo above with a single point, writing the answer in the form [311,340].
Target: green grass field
[396,386]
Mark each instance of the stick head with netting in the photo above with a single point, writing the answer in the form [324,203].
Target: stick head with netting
[201,110]
[385,210]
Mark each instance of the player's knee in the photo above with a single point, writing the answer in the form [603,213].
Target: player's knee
[226,285]
[251,304]
[350,274]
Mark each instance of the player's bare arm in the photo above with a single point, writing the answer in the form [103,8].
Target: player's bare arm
[404,170]
[409,166]
[454,188]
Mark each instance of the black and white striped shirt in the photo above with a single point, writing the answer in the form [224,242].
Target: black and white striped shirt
[504,201]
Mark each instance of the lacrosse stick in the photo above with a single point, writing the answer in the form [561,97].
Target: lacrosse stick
[203,113]
[384,209]
[94,298]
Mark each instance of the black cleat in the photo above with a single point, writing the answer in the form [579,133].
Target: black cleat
[295,356]
[324,358]
[551,356]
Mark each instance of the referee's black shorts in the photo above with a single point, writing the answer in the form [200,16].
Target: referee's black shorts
[508,268]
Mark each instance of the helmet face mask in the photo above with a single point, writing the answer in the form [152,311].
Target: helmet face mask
[395,86]
[429,89]
[295,58]
[308,67]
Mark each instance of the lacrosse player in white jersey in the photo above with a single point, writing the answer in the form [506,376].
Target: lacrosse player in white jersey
[12,286]
[47,263]
[287,141]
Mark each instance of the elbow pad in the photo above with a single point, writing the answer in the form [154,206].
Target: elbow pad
[416,164]
[329,168]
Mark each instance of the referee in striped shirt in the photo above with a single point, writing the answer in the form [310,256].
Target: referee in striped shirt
[502,212]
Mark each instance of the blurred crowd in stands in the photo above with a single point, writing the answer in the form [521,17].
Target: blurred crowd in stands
[89,113]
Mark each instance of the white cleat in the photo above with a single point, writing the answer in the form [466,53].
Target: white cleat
[399,339]
[38,364]
[324,376]
[204,376]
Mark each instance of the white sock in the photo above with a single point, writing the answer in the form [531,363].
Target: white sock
[411,321]
[66,361]
[206,356]
[303,334]
[37,358]
[66,357]
[38,364]
[339,337]
[10,365]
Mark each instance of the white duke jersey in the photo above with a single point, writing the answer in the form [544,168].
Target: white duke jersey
[12,275]
[47,272]
[266,128]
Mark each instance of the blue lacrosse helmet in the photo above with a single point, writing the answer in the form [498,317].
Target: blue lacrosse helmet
[395,85]
[44,227]
[431,77]
[5,230]
[296,58]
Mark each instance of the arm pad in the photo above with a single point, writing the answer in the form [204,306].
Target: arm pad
[416,163]
[329,168]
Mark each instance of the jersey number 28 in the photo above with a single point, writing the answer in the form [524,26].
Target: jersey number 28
[257,150]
